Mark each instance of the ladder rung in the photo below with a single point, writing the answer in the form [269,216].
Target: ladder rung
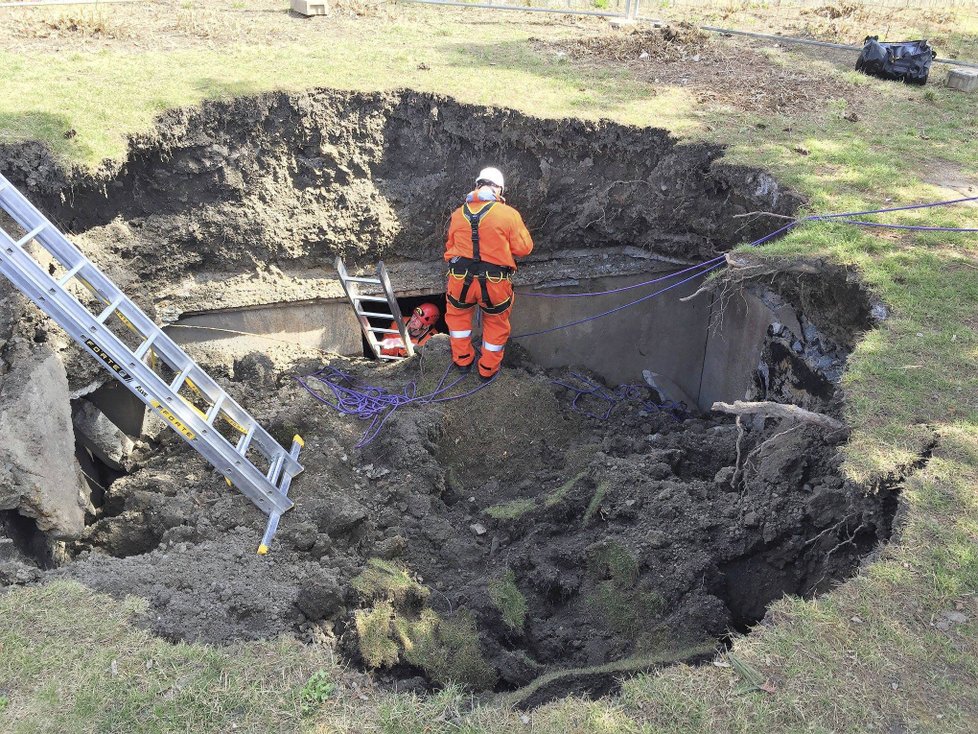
[245,440]
[275,469]
[145,346]
[372,315]
[377,330]
[375,299]
[63,280]
[389,357]
[215,409]
[110,309]
[31,235]
[178,381]
[371,281]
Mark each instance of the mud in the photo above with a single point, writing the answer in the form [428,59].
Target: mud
[491,540]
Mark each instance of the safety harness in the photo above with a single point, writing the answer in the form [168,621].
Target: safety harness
[470,269]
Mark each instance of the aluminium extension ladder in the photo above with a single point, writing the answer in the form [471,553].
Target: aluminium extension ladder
[351,286]
[156,370]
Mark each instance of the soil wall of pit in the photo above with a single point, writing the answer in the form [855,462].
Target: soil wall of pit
[303,177]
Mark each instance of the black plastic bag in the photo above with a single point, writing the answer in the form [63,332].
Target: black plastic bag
[902,61]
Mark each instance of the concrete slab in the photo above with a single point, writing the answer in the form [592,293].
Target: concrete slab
[310,8]
[733,348]
[326,325]
[964,80]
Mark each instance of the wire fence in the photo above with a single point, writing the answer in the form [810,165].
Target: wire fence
[626,9]
[839,4]
[953,24]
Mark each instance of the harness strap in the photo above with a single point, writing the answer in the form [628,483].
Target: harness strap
[499,307]
[457,303]
[474,219]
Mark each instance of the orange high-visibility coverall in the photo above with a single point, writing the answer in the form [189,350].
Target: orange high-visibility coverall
[483,238]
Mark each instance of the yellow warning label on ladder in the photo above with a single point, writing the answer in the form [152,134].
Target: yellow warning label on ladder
[174,421]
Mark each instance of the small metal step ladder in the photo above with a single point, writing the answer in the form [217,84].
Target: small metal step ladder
[143,358]
[352,288]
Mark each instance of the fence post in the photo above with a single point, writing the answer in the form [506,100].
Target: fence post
[633,7]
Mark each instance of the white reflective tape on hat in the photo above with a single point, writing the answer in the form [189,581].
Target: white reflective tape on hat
[460,334]
[492,347]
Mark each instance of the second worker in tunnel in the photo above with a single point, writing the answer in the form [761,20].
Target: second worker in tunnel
[484,237]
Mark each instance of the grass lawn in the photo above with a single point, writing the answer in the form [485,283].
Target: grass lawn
[895,649]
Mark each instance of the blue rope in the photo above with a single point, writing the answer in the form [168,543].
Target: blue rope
[524,294]
[618,308]
[914,227]
[717,261]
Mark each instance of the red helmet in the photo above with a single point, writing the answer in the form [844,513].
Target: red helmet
[425,315]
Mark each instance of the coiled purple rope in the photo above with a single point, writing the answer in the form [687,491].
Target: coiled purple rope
[376,404]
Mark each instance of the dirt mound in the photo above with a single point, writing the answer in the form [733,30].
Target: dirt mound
[719,74]
[669,43]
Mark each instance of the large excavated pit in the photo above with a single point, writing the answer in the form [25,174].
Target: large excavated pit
[551,522]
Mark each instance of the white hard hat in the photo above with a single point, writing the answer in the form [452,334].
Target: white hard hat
[492,175]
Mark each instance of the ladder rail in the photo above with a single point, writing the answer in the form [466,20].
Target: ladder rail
[141,381]
[70,257]
[357,299]
[395,308]
[52,297]
[354,296]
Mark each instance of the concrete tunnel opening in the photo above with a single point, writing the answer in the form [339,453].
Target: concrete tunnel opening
[541,539]
[695,350]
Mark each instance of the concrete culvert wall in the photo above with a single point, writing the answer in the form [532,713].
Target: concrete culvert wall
[514,540]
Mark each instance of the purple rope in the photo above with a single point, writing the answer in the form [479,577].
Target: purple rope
[894,209]
[619,290]
[775,233]
[715,262]
[618,308]
[614,398]
[913,227]
[368,402]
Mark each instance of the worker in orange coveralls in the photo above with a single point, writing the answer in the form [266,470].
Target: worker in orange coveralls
[420,327]
[484,236]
